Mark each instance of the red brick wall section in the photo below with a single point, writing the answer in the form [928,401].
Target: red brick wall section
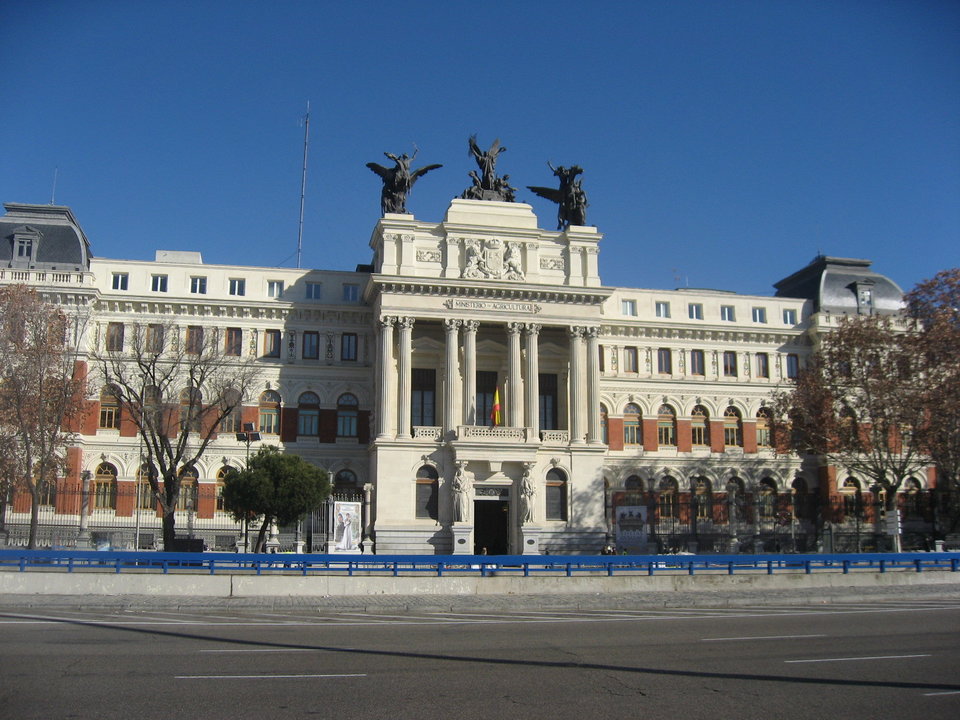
[684,436]
[288,424]
[615,433]
[716,436]
[650,434]
[749,436]
[206,499]
[126,497]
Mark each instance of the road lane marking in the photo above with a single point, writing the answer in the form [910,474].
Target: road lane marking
[845,659]
[762,637]
[948,692]
[262,677]
[266,650]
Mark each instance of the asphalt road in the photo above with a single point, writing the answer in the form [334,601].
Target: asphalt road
[890,659]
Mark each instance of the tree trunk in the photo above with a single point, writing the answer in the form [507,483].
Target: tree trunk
[262,535]
[169,530]
[34,517]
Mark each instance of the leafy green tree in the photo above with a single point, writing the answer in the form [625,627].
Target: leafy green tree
[274,486]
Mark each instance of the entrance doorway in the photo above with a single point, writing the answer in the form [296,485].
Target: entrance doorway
[492,527]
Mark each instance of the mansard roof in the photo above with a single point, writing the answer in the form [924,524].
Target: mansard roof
[843,285]
[60,243]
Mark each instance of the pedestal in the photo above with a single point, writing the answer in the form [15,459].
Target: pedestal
[530,537]
[462,539]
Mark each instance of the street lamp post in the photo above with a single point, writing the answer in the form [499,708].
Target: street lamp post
[248,435]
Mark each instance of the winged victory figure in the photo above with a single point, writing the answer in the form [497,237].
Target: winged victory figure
[570,197]
[398,181]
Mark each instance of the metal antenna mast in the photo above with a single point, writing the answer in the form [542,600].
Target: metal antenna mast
[303,180]
[53,193]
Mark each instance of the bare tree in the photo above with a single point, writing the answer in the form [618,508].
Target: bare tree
[860,403]
[177,385]
[39,392]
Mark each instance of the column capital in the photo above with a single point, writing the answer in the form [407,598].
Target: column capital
[532,328]
[471,325]
[592,332]
[386,321]
[575,331]
[452,325]
[405,322]
[514,328]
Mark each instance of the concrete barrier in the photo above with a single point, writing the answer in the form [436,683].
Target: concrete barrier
[252,586]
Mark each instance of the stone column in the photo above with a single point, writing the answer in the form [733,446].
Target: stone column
[532,384]
[451,329]
[470,371]
[593,386]
[514,399]
[576,385]
[385,359]
[405,372]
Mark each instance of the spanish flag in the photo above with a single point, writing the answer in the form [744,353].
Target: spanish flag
[495,418]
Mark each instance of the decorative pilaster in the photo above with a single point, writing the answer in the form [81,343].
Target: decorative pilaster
[593,386]
[385,353]
[406,375]
[470,328]
[576,385]
[532,384]
[514,400]
[451,329]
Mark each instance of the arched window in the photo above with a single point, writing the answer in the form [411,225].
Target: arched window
[146,499]
[732,427]
[426,492]
[345,480]
[270,412]
[105,487]
[703,498]
[47,491]
[347,412]
[912,497]
[631,425]
[764,421]
[852,497]
[700,425]
[231,409]
[109,408]
[188,488]
[221,480]
[669,498]
[308,417]
[666,426]
[767,499]
[556,495]
[604,436]
[191,407]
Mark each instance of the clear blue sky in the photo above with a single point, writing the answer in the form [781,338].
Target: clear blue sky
[724,143]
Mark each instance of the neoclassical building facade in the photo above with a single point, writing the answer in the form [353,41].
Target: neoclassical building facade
[632,417]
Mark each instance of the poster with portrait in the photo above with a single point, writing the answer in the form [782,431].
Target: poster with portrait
[632,527]
[347,527]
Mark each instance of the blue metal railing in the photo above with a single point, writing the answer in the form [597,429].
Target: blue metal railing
[484,565]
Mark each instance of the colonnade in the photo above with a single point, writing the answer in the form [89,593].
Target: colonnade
[522,391]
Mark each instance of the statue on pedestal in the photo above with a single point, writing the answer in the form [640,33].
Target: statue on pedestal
[570,197]
[398,181]
[461,494]
[486,185]
[527,491]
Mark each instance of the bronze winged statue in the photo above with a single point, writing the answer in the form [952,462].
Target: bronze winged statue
[398,181]
[487,185]
[570,197]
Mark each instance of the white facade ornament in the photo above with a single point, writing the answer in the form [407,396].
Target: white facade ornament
[461,494]
[484,259]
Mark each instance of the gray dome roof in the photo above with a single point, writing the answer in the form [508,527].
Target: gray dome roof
[58,241]
[843,285]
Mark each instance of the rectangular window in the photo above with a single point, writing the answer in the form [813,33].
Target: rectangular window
[154,338]
[630,360]
[486,386]
[348,347]
[275,288]
[308,422]
[198,285]
[763,365]
[233,341]
[662,308]
[727,313]
[110,416]
[424,397]
[628,307]
[556,500]
[238,286]
[729,363]
[115,337]
[24,248]
[695,310]
[269,421]
[697,362]
[271,343]
[548,401]
[313,290]
[793,366]
[194,339]
[759,315]
[158,283]
[351,292]
[120,281]
[789,317]
[664,361]
[426,499]
[311,345]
